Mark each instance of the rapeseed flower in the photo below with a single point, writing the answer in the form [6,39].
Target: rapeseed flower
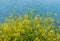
[29,27]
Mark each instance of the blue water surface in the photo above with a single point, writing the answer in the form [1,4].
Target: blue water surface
[7,6]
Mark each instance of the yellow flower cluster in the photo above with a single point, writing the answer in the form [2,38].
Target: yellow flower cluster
[29,28]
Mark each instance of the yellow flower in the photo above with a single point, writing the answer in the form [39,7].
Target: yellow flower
[37,39]
[42,31]
[34,26]
[49,26]
[38,25]
[51,19]
[58,36]
[20,25]
[23,31]
[5,25]
[26,21]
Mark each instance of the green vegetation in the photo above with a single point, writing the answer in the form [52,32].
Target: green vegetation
[29,27]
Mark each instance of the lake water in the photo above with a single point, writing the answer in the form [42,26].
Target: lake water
[7,6]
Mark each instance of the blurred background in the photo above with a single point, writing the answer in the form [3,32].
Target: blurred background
[7,6]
